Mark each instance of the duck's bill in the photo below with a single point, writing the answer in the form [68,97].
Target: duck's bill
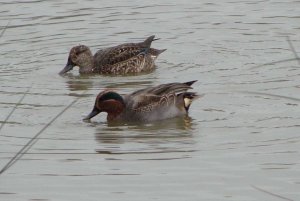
[94,112]
[67,68]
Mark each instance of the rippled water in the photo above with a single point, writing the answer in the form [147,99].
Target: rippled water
[240,142]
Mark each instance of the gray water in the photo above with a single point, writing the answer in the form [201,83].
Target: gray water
[240,142]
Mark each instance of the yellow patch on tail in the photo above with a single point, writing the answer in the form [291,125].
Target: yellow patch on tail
[187,102]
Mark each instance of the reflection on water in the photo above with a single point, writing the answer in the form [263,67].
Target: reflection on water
[170,129]
[97,82]
[79,85]
[240,141]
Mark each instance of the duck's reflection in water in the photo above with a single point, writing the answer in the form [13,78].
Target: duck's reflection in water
[119,132]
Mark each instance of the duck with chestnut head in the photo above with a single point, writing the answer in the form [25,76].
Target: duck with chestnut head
[127,58]
[148,104]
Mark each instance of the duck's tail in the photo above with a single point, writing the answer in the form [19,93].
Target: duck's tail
[156,52]
[190,82]
[149,40]
[188,98]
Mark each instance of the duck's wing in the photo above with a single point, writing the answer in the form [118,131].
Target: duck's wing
[154,98]
[121,53]
[123,65]
[149,103]
[115,55]
[164,89]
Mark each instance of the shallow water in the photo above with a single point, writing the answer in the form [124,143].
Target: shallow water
[240,142]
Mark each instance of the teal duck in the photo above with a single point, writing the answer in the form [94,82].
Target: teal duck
[148,104]
[118,60]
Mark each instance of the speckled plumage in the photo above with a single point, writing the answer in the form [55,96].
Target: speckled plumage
[148,104]
[122,59]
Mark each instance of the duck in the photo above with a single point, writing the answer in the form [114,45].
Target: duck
[149,104]
[127,58]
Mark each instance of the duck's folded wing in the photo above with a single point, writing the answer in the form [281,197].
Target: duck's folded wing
[124,52]
[149,103]
[114,55]
[165,89]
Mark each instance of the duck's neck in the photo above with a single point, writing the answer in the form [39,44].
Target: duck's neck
[115,111]
[88,66]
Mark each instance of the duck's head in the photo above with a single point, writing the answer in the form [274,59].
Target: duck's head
[110,102]
[80,56]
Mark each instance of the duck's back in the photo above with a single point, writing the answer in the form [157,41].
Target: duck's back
[126,58]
